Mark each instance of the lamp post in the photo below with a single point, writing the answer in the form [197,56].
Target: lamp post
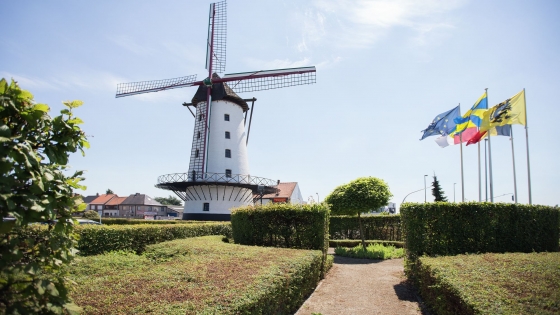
[317,197]
[425,198]
[454,191]
[411,194]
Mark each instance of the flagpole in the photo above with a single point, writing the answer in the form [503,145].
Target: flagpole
[486,169]
[479,174]
[513,159]
[462,177]
[490,159]
[527,141]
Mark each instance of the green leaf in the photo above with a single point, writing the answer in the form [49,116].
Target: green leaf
[51,288]
[41,107]
[73,104]
[76,121]
[72,308]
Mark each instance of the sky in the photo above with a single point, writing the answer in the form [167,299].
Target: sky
[385,69]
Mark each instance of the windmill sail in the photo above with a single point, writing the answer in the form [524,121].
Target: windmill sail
[216,41]
[269,79]
[133,88]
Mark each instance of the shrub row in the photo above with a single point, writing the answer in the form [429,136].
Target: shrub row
[480,284]
[283,225]
[354,243]
[200,275]
[96,240]
[376,227]
[443,228]
[122,221]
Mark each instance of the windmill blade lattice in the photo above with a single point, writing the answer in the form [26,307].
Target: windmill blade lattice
[133,88]
[216,42]
[270,79]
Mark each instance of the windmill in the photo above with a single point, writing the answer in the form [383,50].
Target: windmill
[218,178]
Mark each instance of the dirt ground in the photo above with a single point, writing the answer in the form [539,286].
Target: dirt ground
[362,286]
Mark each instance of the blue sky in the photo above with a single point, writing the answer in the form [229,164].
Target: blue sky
[385,69]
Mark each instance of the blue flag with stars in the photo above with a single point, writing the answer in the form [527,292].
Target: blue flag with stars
[443,124]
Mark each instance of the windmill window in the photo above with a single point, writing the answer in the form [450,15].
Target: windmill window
[196,153]
[227,135]
[206,206]
[226,117]
[228,173]
[200,117]
[228,153]
[198,134]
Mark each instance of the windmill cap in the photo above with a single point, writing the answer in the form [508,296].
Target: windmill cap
[220,91]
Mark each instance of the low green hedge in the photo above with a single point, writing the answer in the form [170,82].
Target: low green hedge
[354,243]
[96,240]
[283,225]
[122,221]
[200,275]
[488,284]
[376,227]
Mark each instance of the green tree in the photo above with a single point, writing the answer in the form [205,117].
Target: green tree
[109,191]
[359,196]
[437,192]
[91,214]
[34,151]
[171,200]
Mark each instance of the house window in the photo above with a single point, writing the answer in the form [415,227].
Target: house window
[228,153]
[99,207]
[196,153]
[92,207]
[227,135]
[226,117]
[206,207]
[228,173]
[200,117]
[198,134]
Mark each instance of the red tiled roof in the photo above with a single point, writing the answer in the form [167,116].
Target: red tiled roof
[286,191]
[116,201]
[102,199]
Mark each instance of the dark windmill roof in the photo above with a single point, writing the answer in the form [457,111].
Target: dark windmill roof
[140,199]
[220,91]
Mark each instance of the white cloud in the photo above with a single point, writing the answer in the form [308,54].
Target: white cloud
[362,22]
[131,45]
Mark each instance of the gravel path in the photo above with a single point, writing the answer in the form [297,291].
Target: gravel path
[363,286]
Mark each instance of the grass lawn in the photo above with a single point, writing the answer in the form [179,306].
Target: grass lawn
[512,283]
[194,276]
[372,251]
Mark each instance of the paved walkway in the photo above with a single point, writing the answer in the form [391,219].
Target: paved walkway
[362,286]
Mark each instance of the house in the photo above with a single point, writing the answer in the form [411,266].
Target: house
[287,192]
[141,206]
[112,207]
[98,204]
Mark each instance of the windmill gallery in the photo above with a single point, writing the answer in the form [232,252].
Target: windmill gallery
[218,177]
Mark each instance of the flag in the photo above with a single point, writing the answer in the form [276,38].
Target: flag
[466,135]
[444,141]
[443,124]
[496,131]
[508,112]
[473,117]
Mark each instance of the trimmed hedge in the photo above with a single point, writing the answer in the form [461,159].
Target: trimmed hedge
[376,227]
[283,225]
[354,243]
[197,276]
[511,283]
[443,228]
[95,240]
[122,221]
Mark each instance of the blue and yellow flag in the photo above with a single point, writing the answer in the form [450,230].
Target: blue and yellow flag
[473,117]
[443,124]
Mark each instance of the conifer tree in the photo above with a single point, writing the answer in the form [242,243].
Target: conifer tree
[437,192]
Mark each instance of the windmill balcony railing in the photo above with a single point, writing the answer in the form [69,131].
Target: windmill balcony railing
[215,178]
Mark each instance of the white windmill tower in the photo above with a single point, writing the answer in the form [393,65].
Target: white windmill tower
[218,178]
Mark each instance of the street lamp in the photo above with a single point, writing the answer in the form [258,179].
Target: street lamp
[317,197]
[425,188]
[411,194]
[454,185]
